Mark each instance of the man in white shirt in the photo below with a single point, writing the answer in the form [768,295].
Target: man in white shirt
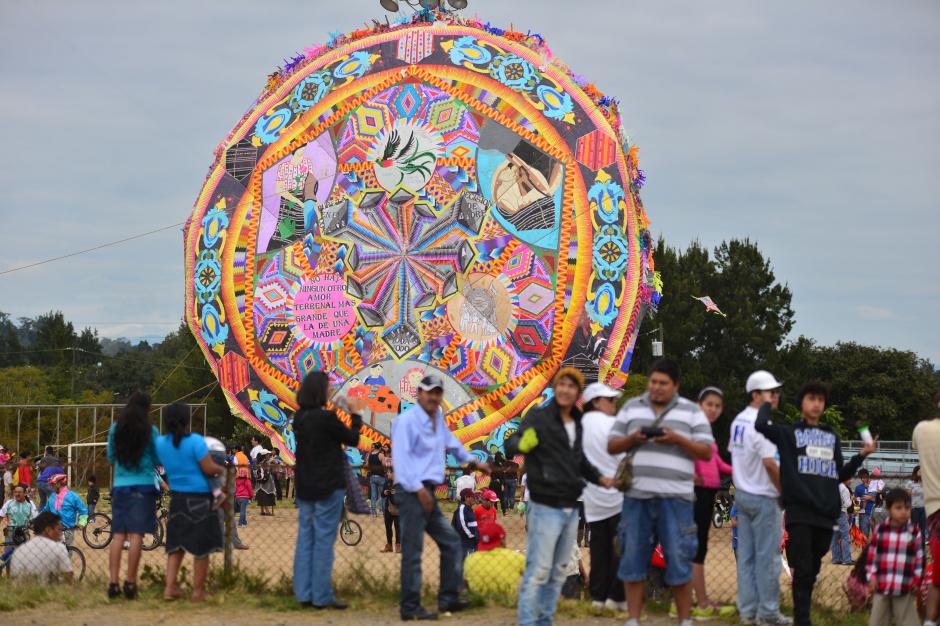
[465,481]
[841,542]
[756,475]
[44,556]
[602,505]
[256,448]
[926,439]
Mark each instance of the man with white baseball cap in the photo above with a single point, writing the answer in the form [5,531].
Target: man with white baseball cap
[602,505]
[756,474]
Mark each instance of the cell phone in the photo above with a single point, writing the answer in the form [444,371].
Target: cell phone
[652,432]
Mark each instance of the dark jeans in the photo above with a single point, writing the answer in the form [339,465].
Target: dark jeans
[414,523]
[277,486]
[604,562]
[44,492]
[704,507]
[919,517]
[509,494]
[390,522]
[806,546]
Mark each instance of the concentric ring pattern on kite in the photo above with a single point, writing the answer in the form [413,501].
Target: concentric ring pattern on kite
[438,195]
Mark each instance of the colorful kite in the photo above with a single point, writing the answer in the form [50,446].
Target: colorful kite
[438,196]
[710,305]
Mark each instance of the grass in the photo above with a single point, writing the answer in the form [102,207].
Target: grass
[361,588]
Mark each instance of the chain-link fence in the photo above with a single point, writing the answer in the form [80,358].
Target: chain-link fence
[261,546]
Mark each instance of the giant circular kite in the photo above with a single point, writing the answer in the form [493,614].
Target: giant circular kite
[435,195]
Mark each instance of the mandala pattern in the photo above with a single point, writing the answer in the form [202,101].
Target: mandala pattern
[432,196]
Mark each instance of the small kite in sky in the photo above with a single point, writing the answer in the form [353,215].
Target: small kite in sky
[710,305]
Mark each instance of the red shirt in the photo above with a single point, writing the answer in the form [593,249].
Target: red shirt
[26,473]
[484,515]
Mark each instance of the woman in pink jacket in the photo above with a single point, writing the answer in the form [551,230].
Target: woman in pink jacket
[707,482]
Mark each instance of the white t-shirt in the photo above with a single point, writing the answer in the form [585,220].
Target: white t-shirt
[571,429]
[467,481]
[255,452]
[600,503]
[927,443]
[748,450]
[8,478]
[846,496]
[41,557]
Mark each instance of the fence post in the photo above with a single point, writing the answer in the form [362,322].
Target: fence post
[229,515]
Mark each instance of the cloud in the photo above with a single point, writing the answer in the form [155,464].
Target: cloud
[876,313]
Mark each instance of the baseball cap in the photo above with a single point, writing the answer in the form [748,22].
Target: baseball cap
[599,390]
[762,380]
[431,382]
[55,479]
[876,472]
[491,536]
[490,495]
[466,493]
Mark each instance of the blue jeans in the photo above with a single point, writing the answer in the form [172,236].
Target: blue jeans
[759,536]
[317,525]
[671,521]
[375,494]
[414,523]
[242,511]
[509,494]
[841,543]
[552,533]
[45,490]
[864,523]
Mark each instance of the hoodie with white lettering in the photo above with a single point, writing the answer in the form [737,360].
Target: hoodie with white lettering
[811,469]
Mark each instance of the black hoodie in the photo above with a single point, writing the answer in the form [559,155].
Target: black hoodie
[810,469]
[556,470]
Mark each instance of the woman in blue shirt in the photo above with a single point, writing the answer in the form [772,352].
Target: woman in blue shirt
[67,504]
[132,450]
[193,526]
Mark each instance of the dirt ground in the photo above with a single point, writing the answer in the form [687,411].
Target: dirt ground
[124,615]
[271,549]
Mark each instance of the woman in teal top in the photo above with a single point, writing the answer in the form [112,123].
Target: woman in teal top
[133,452]
[193,526]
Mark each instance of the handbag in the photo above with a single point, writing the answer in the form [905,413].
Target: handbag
[623,479]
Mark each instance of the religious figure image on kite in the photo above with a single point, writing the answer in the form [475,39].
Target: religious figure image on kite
[422,197]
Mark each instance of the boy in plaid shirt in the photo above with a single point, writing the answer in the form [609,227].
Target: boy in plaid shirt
[895,564]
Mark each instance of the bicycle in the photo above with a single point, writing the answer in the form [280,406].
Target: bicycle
[722,512]
[21,536]
[154,540]
[97,532]
[349,530]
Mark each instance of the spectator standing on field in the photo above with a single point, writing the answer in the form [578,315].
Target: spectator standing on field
[550,437]
[49,465]
[895,564]
[390,513]
[666,434]
[244,494]
[756,475]
[918,513]
[811,469]
[927,443]
[707,483]
[421,439]
[486,510]
[841,540]
[866,502]
[602,505]
[24,473]
[92,495]
[465,523]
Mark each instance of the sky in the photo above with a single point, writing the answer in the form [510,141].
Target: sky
[809,127]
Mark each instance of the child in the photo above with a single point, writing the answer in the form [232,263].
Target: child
[91,498]
[217,452]
[895,564]
[244,493]
[486,512]
[465,523]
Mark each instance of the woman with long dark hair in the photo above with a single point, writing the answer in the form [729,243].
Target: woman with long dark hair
[132,450]
[193,526]
[320,488]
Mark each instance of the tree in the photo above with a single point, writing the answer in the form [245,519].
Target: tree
[10,346]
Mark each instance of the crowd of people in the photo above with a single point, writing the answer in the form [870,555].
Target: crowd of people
[641,474]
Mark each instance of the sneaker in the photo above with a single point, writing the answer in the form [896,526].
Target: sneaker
[704,613]
[728,610]
[775,620]
[631,622]
[686,622]
[612,605]
[747,621]
[673,612]
[597,604]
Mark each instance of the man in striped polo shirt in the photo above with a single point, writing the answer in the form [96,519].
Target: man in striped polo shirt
[660,501]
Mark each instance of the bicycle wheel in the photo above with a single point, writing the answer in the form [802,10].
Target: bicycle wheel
[350,532]
[77,557]
[718,519]
[97,532]
[153,540]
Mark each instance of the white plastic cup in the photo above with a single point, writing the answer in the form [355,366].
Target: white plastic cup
[866,435]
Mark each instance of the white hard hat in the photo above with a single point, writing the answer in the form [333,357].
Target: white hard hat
[599,390]
[762,380]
